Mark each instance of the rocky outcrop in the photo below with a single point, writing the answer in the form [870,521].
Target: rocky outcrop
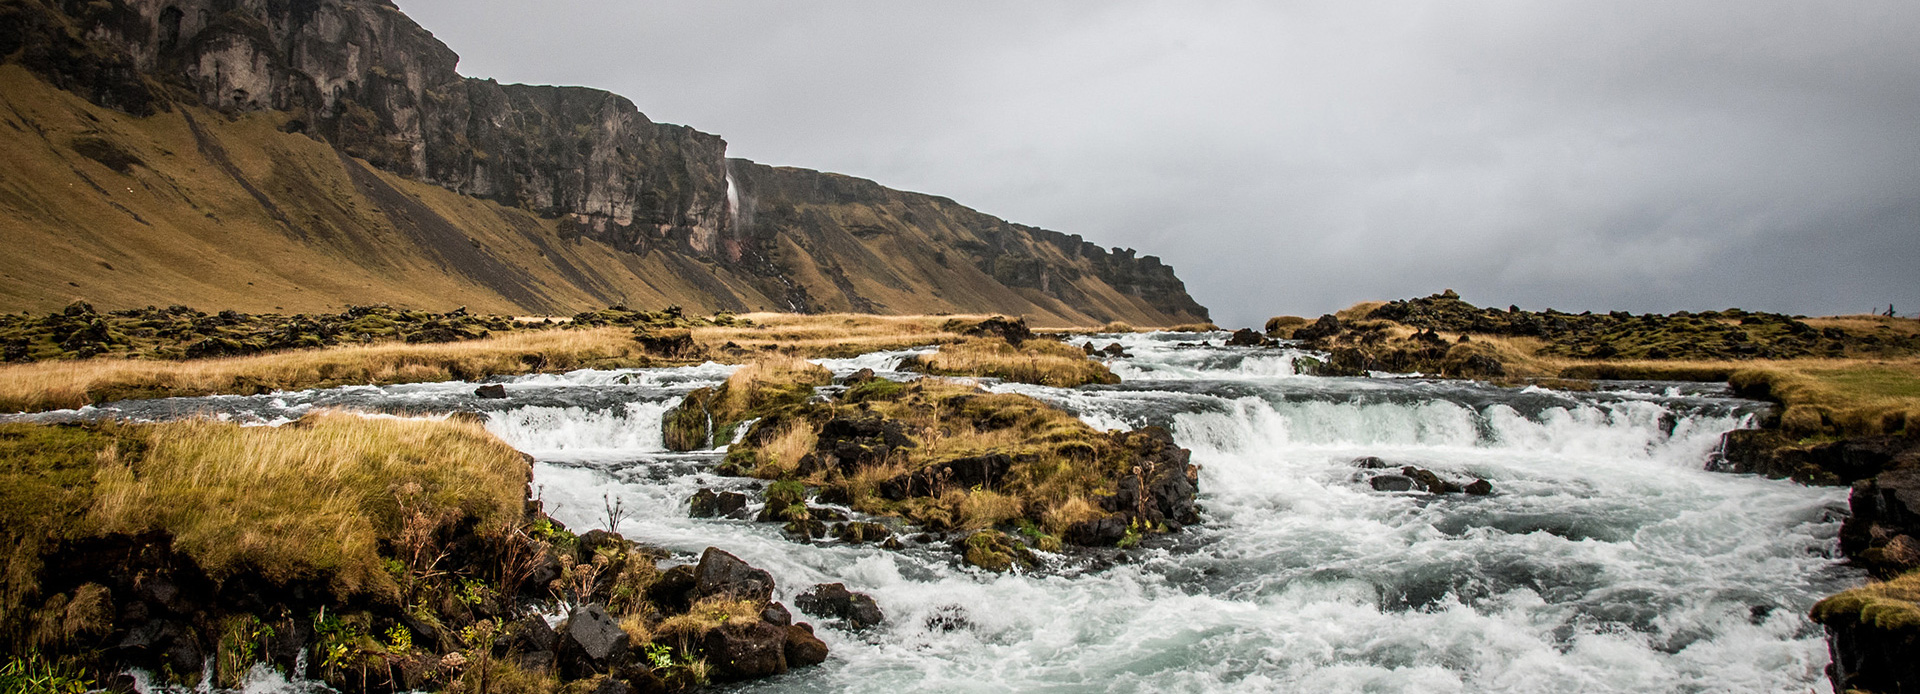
[364,78]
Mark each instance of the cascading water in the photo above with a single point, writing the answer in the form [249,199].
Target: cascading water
[1606,560]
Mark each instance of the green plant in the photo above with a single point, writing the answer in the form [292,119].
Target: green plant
[659,655]
[34,674]
[399,640]
[1132,537]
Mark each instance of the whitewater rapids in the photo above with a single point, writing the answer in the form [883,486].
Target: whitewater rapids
[1607,560]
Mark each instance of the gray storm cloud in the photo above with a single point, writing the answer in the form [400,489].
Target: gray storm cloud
[1298,157]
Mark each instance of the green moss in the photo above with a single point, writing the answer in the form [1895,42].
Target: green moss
[876,389]
[1888,606]
[994,551]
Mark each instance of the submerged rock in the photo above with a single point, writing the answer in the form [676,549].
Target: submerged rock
[834,601]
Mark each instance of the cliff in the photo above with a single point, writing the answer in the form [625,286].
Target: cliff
[337,135]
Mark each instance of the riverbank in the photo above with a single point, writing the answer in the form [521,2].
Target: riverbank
[366,553]
[383,350]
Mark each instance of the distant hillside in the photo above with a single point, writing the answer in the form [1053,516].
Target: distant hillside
[305,155]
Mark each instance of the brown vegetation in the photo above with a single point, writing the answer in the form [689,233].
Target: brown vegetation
[1038,361]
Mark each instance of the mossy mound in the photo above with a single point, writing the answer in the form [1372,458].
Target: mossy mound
[1873,633]
[951,457]
[708,416]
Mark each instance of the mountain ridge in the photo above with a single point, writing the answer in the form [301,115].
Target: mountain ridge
[594,203]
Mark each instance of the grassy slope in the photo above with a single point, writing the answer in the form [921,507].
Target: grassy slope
[181,220]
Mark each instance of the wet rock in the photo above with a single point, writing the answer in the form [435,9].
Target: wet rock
[1246,337]
[847,444]
[806,529]
[861,532]
[747,650]
[858,377]
[1327,326]
[1392,483]
[1429,482]
[591,641]
[829,515]
[1099,532]
[670,591]
[491,391]
[803,648]
[1880,534]
[994,551]
[983,471]
[834,601]
[704,504]
[1479,488]
[776,614]
[1114,350]
[720,573]
[1370,463]
[729,503]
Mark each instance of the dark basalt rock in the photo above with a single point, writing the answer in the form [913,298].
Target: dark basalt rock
[1161,486]
[834,601]
[591,641]
[1883,533]
[1014,330]
[983,471]
[1773,454]
[703,504]
[803,648]
[720,573]
[1479,488]
[1392,483]
[1099,532]
[750,650]
[1326,327]
[776,613]
[1246,337]
[671,590]
[729,503]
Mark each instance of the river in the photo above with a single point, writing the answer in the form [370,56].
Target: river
[1607,559]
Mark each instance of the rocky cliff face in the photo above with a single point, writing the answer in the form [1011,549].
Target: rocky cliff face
[364,78]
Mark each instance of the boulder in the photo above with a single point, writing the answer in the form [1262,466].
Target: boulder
[834,601]
[1392,483]
[1099,532]
[1370,463]
[1014,331]
[491,391]
[858,377]
[994,551]
[1246,337]
[720,573]
[670,591]
[1429,482]
[747,650]
[704,504]
[777,614]
[1327,326]
[533,642]
[803,648]
[729,503]
[590,642]
[1480,488]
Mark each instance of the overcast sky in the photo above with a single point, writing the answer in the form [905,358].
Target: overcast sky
[1297,157]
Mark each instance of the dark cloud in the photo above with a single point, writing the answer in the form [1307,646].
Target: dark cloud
[1298,157]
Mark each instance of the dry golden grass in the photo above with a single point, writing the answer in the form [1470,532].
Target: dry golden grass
[1822,397]
[1358,311]
[1039,361]
[766,378]
[831,335]
[309,500]
[706,615]
[65,384]
[783,452]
